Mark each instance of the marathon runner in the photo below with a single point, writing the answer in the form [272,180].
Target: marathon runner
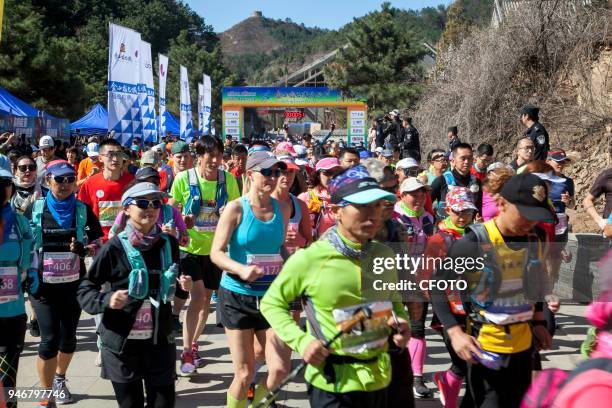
[502,323]
[19,265]
[141,266]
[247,246]
[202,193]
[356,371]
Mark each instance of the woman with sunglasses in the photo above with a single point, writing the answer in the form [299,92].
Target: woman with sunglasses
[461,211]
[27,189]
[65,231]
[19,265]
[317,197]
[419,225]
[247,246]
[141,267]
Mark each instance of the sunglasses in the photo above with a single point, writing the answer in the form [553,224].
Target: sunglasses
[64,179]
[439,158]
[411,172]
[26,167]
[143,204]
[465,212]
[270,172]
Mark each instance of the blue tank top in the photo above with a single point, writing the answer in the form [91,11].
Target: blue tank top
[250,240]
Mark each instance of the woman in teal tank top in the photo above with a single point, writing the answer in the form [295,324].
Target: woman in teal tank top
[247,246]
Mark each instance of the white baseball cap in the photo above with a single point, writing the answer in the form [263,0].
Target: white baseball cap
[93,149]
[45,142]
[411,184]
[406,163]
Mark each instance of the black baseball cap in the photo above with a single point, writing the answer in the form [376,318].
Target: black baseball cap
[530,194]
[530,110]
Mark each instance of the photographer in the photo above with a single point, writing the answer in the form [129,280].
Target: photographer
[393,133]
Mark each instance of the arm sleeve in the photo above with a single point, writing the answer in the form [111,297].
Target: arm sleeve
[287,286]
[322,142]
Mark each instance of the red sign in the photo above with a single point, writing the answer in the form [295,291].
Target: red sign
[294,114]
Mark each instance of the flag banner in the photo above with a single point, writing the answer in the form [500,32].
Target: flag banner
[163,73]
[186,122]
[123,78]
[146,94]
[206,108]
[200,105]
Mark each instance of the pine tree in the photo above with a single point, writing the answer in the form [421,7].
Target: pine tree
[380,62]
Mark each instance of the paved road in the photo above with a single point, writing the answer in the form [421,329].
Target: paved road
[208,389]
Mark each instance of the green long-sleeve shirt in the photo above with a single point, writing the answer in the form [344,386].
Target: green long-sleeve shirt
[331,281]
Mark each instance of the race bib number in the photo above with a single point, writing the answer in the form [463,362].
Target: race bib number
[143,325]
[60,267]
[370,334]
[9,279]
[562,224]
[207,220]
[108,211]
[270,263]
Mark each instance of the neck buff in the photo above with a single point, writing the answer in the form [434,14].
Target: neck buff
[6,222]
[341,244]
[412,213]
[449,225]
[139,240]
[62,210]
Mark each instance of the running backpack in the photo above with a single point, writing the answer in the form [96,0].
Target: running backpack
[37,211]
[194,202]
[547,385]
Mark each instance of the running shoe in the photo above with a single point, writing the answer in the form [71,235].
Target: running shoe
[197,360]
[34,329]
[419,388]
[47,403]
[188,368]
[61,394]
[442,386]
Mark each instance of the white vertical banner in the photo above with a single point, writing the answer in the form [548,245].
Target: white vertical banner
[123,79]
[207,104]
[163,74]
[186,121]
[200,105]
[146,94]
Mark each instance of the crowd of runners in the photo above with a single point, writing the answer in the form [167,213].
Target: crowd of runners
[282,236]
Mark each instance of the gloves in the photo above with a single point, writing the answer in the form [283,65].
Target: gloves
[32,281]
[78,248]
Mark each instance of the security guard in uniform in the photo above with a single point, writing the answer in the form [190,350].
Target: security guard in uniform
[535,131]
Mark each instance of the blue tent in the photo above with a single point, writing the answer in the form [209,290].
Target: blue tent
[11,105]
[172,125]
[94,122]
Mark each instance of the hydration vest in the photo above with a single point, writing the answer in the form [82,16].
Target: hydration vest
[509,283]
[194,202]
[37,211]
[474,188]
[139,274]
[22,245]
[416,234]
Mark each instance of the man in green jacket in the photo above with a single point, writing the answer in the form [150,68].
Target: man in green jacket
[334,275]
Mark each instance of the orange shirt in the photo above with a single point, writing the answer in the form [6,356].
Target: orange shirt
[86,169]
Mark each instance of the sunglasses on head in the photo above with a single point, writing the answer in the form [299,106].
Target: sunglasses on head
[270,172]
[26,167]
[143,203]
[64,179]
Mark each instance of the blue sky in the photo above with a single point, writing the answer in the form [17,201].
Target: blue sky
[332,14]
